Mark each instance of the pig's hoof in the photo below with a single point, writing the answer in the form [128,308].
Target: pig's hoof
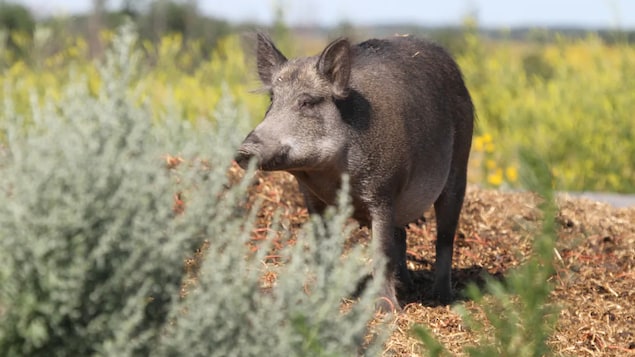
[387,305]
[443,295]
[387,302]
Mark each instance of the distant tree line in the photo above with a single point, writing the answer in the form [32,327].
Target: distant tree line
[156,18]
[153,18]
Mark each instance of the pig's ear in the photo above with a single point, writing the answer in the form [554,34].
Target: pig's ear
[268,57]
[335,65]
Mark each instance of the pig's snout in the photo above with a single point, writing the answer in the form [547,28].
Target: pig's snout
[269,157]
[247,150]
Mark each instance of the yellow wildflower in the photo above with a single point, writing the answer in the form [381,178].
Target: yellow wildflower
[496,178]
[511,173]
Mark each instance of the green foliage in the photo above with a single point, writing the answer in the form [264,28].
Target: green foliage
[172,72]
[280,31]
[93,251]
[14,17]
[433,347]
[569,100]
[519,317]
[16,24]
[163,18]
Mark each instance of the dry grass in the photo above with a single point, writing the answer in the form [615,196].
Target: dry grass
[594,284]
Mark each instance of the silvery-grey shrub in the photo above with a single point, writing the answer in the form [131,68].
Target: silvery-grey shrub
[92,252]
[227,315]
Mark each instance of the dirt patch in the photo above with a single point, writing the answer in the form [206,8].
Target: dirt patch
[593,285]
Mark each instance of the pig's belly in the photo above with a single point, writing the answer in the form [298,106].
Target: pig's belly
[418,196]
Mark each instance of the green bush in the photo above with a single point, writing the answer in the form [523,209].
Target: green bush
[18,24]
[93,251]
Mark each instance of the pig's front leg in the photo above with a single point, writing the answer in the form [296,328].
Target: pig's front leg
[313,203]
[404,281]
[383,235]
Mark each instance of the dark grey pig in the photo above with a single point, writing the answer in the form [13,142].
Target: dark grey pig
[393,114]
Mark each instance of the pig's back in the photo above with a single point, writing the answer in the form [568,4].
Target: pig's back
[407,65]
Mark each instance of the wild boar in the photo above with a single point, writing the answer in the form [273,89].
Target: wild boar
[395,116]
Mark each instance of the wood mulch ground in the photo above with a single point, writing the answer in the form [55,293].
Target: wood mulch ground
[594,284]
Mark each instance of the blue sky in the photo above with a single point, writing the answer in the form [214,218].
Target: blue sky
[491,13]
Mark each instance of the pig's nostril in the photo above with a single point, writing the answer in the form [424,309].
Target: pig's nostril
[242,158]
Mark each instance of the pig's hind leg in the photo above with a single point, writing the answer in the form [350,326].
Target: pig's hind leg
[447,209]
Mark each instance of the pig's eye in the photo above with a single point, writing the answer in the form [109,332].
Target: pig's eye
[307,102]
